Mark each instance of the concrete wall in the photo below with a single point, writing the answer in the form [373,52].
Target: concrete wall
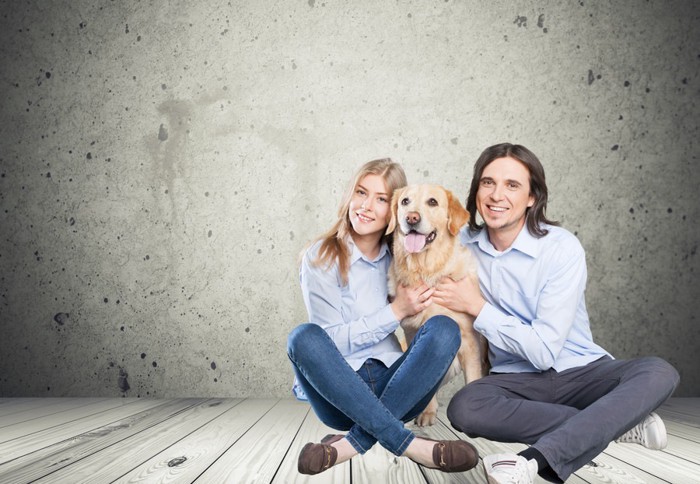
[163,163]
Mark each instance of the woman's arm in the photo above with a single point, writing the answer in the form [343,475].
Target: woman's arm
[322,292]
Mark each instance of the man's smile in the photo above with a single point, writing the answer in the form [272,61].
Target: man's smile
[494,208]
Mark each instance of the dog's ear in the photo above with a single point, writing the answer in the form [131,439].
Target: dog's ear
[394,209]
[457,215]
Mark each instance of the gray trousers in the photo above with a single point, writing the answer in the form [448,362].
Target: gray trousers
[569,417]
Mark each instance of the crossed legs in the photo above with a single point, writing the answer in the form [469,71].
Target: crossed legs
[373,410]
[569,417]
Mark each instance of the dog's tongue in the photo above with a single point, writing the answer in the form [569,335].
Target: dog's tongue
[414,242]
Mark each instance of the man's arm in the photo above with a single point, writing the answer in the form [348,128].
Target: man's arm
[540,340]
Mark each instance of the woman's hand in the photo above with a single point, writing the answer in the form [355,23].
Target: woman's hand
[462,296]
[411,300]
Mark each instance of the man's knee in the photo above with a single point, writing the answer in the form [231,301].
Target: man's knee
[661,373]
[465,410]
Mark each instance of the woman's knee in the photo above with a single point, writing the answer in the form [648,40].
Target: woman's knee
[302,337]
[445,331]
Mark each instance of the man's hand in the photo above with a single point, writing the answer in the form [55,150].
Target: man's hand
[462,296]
[411,300]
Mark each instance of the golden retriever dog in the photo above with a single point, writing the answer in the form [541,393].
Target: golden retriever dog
[425,221]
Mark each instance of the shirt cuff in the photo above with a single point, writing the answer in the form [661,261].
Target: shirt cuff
[486,322]
[386,319]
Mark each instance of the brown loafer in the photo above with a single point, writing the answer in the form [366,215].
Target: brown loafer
[316,458]
[453,455]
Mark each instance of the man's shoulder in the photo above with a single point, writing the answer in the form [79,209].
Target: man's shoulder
[468,236]
[560,238]
[559,233]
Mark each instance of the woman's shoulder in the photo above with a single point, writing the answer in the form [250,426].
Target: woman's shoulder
[314,268]
[310,254]
[312,249]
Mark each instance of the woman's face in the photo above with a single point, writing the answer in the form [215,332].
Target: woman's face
[370,206]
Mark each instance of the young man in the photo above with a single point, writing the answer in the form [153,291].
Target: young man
[550,385]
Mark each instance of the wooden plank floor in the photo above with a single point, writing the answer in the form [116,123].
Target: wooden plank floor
[99,440]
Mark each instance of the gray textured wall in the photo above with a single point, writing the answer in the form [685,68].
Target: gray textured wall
[163,163]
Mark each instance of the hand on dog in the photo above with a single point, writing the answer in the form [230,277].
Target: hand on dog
[462,296]
[411,300]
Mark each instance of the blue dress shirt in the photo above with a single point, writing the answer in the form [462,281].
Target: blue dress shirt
[535,315]
[357,316]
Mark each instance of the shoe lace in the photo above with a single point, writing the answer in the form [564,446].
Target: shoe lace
[635,434]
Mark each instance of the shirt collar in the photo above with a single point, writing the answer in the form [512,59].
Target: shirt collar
[525,242]
[356,254]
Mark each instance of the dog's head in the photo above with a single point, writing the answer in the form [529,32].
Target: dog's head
[420,214]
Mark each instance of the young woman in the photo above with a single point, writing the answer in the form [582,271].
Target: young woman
[347,359]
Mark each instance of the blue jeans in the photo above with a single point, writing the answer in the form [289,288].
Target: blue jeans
[569,417]
[374,402]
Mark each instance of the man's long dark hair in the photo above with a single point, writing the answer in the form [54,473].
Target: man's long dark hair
[535,215]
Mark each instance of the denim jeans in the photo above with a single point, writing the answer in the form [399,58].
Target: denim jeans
[374,402]
[570,417]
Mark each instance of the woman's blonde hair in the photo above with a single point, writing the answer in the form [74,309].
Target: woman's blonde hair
[333,247]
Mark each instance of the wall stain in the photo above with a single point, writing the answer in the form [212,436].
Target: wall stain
[123,381]
[540,21]
[61,318]
[168,150]
[592,77]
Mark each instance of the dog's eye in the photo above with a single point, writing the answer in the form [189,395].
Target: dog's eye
[432,202]
[404,201]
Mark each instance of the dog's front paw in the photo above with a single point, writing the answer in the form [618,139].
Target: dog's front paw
[426,419]
[429,415]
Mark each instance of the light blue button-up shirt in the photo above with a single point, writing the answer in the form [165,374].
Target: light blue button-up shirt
[535,315]
[357,315]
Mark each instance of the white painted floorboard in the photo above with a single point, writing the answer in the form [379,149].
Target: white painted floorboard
[100,440]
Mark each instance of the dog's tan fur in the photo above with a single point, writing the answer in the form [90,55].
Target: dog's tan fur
[437,209]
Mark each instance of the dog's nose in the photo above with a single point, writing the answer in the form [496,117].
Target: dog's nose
[412,218]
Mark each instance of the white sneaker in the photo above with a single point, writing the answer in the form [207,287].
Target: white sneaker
[650,432]
[509,469]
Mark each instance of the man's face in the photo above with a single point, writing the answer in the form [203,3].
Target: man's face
[504,196]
